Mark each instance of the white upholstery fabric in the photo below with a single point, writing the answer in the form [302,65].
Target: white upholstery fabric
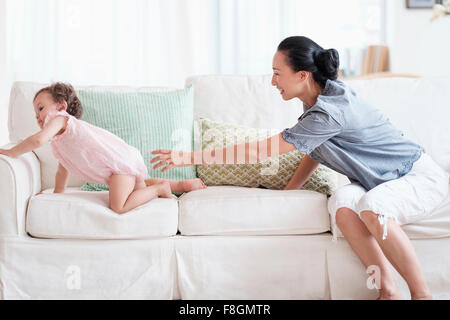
[253,267]
[19,180]
[22,123]
[252,211]
[79,214]
[50,269]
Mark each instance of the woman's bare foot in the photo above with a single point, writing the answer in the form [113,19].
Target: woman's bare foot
[164,190]
[426,296]
[389,295]
[192,184]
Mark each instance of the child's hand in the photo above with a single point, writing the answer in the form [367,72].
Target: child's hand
[169,159]
[6,152]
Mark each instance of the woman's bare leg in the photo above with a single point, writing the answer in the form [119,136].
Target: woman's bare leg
[179,186]
[125,194]
[399,250]
[367,249]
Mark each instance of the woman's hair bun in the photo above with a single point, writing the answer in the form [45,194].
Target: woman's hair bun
[327,62]
[303,54]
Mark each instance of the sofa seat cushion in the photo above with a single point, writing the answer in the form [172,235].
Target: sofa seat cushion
[436,226]
[79,214]
[224,210]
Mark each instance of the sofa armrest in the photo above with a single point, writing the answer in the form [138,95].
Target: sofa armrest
[20,178]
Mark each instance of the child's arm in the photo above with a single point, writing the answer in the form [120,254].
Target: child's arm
[38,139]
[61,179]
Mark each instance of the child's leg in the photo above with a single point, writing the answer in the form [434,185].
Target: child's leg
[179,186]
[125,194]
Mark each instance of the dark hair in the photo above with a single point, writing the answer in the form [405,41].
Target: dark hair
[64,92]
[304,54]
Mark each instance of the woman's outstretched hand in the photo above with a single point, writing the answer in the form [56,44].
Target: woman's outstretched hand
[169,159]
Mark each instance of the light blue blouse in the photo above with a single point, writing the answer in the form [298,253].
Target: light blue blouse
[348,135]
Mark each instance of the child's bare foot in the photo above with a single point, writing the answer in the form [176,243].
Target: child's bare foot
[192,184]
[164,190]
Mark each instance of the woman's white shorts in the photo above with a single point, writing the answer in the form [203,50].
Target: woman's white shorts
[404,200]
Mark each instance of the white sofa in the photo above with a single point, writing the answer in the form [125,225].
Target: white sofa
[219,243]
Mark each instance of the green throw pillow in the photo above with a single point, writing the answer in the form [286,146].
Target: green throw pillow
[271,173]
[145,120]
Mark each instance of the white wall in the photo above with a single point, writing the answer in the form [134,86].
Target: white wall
[417,45]
[4,85]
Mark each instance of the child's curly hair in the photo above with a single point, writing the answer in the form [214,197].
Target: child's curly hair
[64,92]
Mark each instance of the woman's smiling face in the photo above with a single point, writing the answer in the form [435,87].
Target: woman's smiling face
[287,81]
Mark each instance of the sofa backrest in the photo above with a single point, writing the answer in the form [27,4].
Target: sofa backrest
[419,107]
[243,100]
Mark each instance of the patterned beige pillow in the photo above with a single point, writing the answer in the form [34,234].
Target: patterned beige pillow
[271,173]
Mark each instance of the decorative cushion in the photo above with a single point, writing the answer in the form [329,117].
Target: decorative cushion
[271,173]
[145,120]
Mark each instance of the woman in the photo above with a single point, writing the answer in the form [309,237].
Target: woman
[394,181]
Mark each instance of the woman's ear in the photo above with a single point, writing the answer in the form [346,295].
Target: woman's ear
[62,106]
[303,75]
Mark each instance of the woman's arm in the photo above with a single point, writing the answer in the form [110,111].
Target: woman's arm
[37,140]
[249,152]
[61,179]
[302,173]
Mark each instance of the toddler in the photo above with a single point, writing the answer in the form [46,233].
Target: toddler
[93,153]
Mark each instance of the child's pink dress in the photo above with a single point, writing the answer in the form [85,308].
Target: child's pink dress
[93,153]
